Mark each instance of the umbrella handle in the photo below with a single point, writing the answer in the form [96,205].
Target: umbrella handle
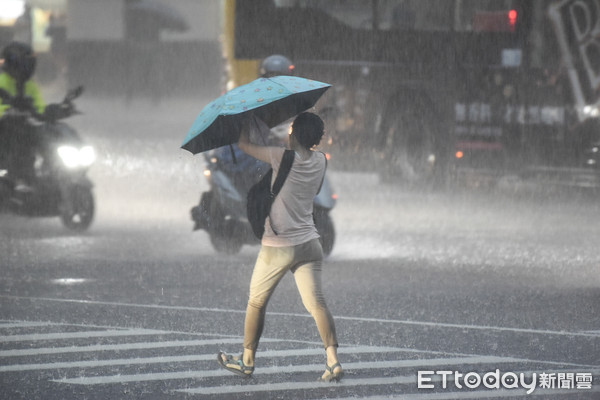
[233,154]
[258,130]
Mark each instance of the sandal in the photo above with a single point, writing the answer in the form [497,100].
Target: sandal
[333,376]
[235,366]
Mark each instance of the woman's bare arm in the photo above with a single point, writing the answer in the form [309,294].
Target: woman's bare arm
[261,153]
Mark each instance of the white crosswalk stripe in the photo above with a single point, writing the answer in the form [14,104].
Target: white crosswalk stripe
[117,347]
[91,355]
[295,368]
[476,394]
[378,381]
[78,335]
[22,324]
[596,333]
[173,359]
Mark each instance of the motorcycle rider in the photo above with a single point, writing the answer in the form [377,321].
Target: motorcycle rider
[19,140]
[276,65]
[242,168]
[18,67]
[239,162]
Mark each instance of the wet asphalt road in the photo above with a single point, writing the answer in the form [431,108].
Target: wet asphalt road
[138,306]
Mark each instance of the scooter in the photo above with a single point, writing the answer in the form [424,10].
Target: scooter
[222,210]
[60,186]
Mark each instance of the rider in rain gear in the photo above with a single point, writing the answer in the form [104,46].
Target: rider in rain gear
[17,69]
[245,169]
[19,141]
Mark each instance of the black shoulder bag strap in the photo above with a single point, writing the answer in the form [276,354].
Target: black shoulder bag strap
[284,170]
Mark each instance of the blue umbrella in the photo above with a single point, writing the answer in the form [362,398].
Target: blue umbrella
[273,100]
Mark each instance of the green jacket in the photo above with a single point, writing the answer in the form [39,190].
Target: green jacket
[32,90]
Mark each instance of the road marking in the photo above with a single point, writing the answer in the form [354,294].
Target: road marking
[122,347]
[118,331]
[428,362]
[178,359]
[79,335]
[287,386]
[595,333]
[22,324]
[350,382]
[313,349]
[479,394]
[358,319]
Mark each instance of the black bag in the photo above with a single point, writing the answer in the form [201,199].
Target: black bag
[260,196]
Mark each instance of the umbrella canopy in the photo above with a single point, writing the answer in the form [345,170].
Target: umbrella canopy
[273,100]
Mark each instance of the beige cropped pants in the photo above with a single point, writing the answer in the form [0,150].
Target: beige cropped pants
[305,261]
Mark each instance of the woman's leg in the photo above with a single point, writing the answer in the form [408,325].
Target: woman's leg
[307,273]
[308,279]
[271,265]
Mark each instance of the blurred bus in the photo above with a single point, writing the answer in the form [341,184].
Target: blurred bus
[436,88]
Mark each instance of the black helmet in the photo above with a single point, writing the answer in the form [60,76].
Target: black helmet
[19,61]
[276,65]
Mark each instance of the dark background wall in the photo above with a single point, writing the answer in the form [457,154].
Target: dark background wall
[146,69]
[145,47]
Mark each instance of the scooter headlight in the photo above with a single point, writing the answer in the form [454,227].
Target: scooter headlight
[87,156]
[73,157]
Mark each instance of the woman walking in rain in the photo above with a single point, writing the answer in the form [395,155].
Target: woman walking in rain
[290,243]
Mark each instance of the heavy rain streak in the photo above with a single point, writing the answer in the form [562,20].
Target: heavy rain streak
[458,214]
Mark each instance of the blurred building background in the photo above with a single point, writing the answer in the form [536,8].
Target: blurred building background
[121,47]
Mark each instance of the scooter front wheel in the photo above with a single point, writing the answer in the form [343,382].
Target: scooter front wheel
[227,240]
[326,230]
[79,215]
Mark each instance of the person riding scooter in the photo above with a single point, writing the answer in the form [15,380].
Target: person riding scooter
[43,162]
[231,173]
[18,140]
[242,168]
[18,67]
